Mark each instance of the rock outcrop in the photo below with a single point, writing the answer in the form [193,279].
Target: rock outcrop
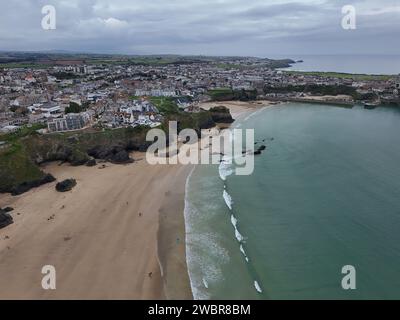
[114,154]
[91,163]
[259,150]
[20,162]
[66,185]
[26,186]
[221,114]
[5,219]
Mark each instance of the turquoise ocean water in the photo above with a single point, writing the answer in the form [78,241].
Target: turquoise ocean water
[325,194]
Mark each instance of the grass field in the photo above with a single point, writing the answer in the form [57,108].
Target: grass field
[16,65]
[165,105]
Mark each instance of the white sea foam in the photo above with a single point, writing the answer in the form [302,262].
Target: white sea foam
[244,253]
[238,236]
[228,199]
[197,294]
[204,262]
[257,286]
[204,254]
[226,166]
[205,283]
[233,220]
[254,114]
[225,169]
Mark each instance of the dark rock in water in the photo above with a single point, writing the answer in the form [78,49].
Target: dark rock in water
[91,163]
[259,150]
[5,219]
[26,186]
[66,185]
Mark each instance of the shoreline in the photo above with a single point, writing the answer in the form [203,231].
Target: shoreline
[240,109]
[171,241]
[172,257]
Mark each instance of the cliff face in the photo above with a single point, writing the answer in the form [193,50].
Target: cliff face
[196,121]
[19,163]
[77,149]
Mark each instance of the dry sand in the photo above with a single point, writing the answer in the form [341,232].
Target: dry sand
[101,237]
[239,108]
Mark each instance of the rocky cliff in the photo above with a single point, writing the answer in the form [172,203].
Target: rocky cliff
[221,114]
[20,161]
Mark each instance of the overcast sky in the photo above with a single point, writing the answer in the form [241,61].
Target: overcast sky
[212,27]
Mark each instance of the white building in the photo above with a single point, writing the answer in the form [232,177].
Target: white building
[70,122]
[9,129]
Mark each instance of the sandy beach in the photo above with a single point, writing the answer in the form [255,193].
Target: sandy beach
[119,234]
[239,109]
[101,237]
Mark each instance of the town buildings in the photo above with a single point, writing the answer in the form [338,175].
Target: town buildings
[113,95]
[70,122]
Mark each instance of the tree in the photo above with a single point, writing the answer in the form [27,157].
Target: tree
[73,108]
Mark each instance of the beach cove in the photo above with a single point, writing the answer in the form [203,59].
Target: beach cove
[102,237]
[119,234]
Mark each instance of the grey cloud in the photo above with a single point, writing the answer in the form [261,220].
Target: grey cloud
[252,27]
